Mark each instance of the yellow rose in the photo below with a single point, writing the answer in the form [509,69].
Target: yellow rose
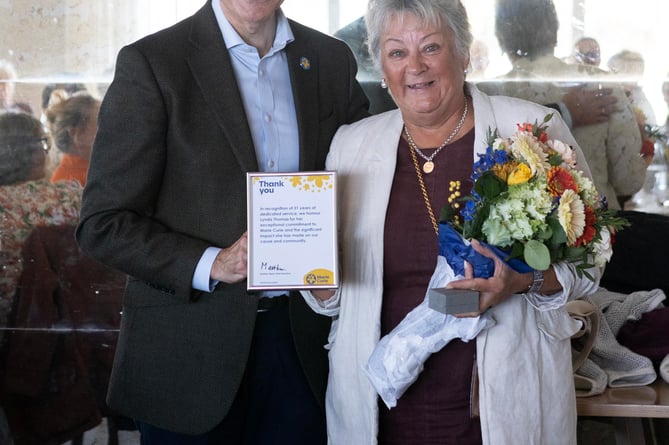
[519,175]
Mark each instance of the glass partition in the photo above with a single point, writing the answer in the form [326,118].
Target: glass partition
[60,44]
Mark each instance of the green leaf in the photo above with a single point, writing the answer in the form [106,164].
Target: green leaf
[559,236]
[447,214]
[545,235]
[555,159]
[517,250]
[574,253]
[473,228]
[536,255]
[489,186]
[491,136]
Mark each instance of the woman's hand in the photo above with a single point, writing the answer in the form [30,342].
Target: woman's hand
[323,294]
[494,290]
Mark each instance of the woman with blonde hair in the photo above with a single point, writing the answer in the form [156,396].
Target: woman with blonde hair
[73,124]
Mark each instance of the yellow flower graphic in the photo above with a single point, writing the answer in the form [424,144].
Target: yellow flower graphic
[296,181]
[318,180]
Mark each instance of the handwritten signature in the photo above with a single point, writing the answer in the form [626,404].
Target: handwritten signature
[266,266]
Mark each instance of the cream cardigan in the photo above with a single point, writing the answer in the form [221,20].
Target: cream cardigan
[526,384]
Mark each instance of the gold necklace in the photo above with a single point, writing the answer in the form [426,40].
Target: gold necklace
[426,198]
[428,166]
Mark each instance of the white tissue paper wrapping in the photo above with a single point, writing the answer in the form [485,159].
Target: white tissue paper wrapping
[398,358]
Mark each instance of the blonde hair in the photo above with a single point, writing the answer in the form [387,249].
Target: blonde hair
[68,111]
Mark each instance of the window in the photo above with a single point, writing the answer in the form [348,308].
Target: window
[76,41]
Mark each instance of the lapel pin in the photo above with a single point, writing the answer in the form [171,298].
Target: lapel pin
[305,64]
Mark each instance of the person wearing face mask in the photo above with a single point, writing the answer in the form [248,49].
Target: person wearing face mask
[235,88]
[587,52]
[396,171]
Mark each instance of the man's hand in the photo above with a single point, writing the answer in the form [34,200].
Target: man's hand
[588,106]
[230,263]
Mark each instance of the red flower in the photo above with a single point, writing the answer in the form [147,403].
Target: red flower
[560,180]
[647,148]
[590,230]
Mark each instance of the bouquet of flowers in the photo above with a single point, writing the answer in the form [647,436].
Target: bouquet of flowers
[531,202]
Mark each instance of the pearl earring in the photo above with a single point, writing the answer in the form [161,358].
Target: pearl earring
[383,84]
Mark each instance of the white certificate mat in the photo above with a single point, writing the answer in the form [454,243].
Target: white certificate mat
[292,231]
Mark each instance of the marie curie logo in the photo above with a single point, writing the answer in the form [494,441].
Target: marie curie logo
[319,277]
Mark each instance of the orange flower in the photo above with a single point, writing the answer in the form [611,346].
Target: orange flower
[560,180]
[529,128]
[502,171]
[589,231]
[525,127]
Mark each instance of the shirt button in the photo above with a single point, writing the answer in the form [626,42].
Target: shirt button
[270,164]
[268,118]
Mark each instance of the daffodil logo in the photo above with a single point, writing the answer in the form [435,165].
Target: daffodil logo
[305,64]
[314,183]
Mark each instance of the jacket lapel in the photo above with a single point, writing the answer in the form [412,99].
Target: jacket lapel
[304,75]
[212,70]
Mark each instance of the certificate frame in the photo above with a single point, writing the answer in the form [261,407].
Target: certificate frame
[292,231]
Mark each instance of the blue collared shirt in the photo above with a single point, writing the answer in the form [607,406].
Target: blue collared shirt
[267,95]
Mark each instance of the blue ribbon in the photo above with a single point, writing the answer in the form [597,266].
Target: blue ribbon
[452,246]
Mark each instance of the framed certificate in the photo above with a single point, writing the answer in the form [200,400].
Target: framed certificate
[292,230]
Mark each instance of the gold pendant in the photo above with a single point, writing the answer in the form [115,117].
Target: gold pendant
[428,167]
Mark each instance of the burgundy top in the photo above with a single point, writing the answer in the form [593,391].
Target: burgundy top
[436,408]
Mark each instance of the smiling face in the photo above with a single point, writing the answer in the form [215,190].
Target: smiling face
[423,71]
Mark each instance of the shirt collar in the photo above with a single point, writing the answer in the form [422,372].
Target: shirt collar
[283,36]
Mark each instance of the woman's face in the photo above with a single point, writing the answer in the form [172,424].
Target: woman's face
[83,136]
[424,73]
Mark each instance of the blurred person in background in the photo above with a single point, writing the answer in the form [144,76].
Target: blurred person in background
[73,124]
[628,67]
[8,103]
[587,52]
[27,198]
[665,95]
[478,60]
[527,31]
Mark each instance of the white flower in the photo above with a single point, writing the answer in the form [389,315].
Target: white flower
[500,144]
[571,214]
[602,248]
[494,229]
[587,190]
[565,151]
[527,148]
